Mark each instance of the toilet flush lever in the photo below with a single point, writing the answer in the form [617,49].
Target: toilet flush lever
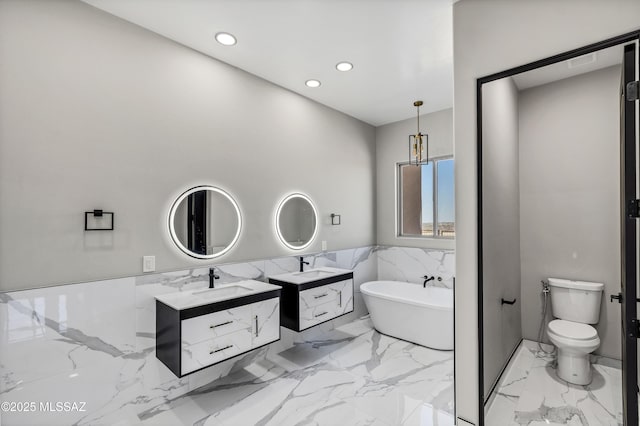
[618,297]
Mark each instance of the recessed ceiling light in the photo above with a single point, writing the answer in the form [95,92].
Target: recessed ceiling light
[226,39]
[344,66]
[312,83]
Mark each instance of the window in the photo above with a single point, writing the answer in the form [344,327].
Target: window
[426,199]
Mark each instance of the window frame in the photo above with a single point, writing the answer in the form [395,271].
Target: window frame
[399,200]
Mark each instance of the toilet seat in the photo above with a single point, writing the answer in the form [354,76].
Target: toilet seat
[572,330]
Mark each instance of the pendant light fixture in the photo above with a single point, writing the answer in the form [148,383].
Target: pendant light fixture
[418,143]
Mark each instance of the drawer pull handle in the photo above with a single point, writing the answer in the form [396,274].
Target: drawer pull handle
[220,350]
[320,295]
[319,315]
[340,300]
[256,326]
[220,325]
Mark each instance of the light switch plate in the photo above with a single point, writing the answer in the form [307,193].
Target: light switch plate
[148,263]
[324,245]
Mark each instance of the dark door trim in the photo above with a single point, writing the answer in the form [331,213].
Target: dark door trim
[628,251]
[625,38]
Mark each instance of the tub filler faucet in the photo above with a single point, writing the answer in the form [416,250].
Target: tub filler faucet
[427,278]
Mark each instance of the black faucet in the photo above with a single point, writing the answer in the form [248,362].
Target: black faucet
[302,263]
[427,278]
[212,277]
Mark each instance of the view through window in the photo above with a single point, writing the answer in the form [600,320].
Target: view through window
[426,199]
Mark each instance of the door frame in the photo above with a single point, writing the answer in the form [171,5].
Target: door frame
[628,240]
[614,41]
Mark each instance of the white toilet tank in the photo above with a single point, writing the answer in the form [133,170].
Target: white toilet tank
[577,301]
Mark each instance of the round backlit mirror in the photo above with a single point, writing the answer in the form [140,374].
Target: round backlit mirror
[296,221]
[205,222]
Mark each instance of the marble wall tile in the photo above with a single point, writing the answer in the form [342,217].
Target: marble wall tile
[410,264]
[281,265]
[363,262]
[54,330]
[235,272]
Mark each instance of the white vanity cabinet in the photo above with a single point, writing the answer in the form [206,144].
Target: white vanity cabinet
[313,297]
[196,337]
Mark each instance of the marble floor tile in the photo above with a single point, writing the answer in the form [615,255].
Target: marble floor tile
[530,393]
[427,415]
[351,375]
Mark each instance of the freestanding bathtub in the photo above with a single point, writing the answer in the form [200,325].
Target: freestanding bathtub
[410,312]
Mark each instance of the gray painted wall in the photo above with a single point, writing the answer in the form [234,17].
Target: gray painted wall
[98,113]
[490,36]
[501,226]
[570,193]
[392,147]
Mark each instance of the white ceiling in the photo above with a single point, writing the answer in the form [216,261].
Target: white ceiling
[402,50]
[560,70]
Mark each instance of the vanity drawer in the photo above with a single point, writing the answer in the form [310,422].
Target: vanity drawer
[317,314]
[203,354]
[321,295]
[205,327]
[341,304]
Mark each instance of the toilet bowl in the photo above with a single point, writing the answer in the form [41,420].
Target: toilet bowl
[576,305]
[575,342]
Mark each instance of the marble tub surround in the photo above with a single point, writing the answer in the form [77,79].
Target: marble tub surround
[530,393]
[95,342]
[410,264]
[351,375]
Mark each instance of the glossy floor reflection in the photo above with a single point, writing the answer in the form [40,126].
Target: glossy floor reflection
[349,376]
[530,393]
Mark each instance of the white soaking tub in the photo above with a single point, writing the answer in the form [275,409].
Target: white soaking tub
[410,312]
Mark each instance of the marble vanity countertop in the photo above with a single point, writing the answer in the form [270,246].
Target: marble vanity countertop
[190,299]
[314,274]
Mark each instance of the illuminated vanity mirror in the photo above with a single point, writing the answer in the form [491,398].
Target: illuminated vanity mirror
[296,221]
[205,222]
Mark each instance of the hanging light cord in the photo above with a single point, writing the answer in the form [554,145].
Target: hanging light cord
[418,139]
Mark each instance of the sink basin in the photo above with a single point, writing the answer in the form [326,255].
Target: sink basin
[192,298]
[316,273]
[205,296]
[312,275]
[215,293]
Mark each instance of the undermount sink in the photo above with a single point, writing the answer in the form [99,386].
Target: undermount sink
[214,293]
[192,298]
[314,273]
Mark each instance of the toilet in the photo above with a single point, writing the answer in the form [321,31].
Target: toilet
[575,304]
